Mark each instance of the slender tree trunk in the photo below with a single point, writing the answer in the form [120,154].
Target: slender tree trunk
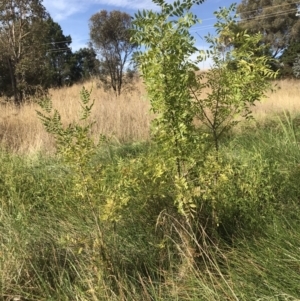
[13,82]
[120,80]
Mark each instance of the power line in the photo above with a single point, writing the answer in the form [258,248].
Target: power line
[67,41]
[51,43]
[255,10]
[260,17]
[57,50]
[275,6]
[269,15]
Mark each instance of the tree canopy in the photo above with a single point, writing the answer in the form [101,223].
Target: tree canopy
[275,19]
[35,54]
[21,31]
[57,54]
[288,59]
[110,36]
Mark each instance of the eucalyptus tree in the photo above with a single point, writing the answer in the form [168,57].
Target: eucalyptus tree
[21,32]
[276,20]
[110,37]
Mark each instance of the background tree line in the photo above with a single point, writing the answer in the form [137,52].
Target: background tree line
[35,55]
[279,23]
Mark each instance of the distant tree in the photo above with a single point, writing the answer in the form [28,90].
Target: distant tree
[5,82]
[110,36]
[57,54]
[21,33]
[84,64]
[63,66]
[288,58]
[296,67]
[226,44]
[276,20]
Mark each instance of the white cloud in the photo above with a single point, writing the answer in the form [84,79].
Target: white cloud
[129,4]
[62,9]
[78,43]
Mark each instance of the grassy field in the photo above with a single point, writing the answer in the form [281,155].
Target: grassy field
[125,119]
[53,246]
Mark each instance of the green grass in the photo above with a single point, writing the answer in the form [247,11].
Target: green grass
[53,246]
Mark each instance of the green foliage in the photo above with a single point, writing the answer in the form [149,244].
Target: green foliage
[288,58]
[167,72]
[58,53]
[61,66]
[245,195]
[84,64]
[50,248]
[146,214]
[74,138]
[296,67]
[74,144]
[184,173]
[275,19]
[21,28]
[138,184]
[87,190]
[35,54]
[237,79]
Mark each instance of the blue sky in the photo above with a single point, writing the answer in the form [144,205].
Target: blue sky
[73,15]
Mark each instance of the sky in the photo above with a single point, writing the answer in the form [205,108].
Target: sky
[73,16]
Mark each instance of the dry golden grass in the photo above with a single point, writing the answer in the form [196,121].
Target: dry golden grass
[285,97]
[125,119]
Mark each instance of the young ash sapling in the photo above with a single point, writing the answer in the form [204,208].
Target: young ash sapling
[167,71]
[77,149]
[237,79]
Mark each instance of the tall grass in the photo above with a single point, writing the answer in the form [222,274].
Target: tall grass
[51,239]
[50,244]
[125,119]
[284,98]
